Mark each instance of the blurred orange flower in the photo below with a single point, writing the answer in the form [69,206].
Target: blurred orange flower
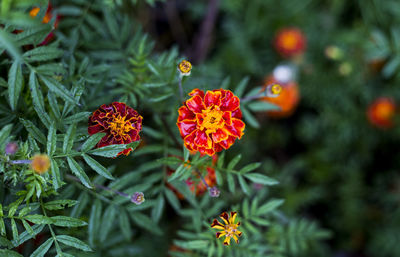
[380,113]
[210,122]
[290,42]
[46,19]
[40,163]
[120,122]
[287,100]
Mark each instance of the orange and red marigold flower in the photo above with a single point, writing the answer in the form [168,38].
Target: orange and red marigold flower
[210,122]
[381,112]
[120,122]
[290,42]
[229,229]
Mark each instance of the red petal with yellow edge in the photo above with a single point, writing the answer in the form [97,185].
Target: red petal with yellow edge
[198,92]
[237,114]
[217,147]
[227,143]
[195,104]
[219,135]
[199,118]
[224,216]
[202,139]
[227,118]
[230,102]
[119,108]
[189,141]
[204,151]
[185,114]
[236,129]
[186,127]
[212,98]
[95,129]
[217,224]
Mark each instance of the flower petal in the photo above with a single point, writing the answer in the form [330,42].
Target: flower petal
[232,217]
[185,114]
[212,98]
[227,143]
[224,216]
[186,127]
[198,92]
[220,234]
[218,225]
[189,141]
[227,116]
[230,102]
[203,151]
[195,104]
[227,240]
[95,129]
[119,108]
[236,239]
[236,129]
[237,114]
[203,140]
[220,135]
[238,233]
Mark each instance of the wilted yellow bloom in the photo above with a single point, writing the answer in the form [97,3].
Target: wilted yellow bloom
[40,163]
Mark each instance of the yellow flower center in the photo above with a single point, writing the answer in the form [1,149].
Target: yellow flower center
[230,229]
[119,126]
[289,40]
[212,120]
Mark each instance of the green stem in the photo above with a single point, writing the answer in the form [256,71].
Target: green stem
[53,235]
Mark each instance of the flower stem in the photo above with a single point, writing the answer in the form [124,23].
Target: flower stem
[180,87]
[202,179]
[21,162]
[259,95]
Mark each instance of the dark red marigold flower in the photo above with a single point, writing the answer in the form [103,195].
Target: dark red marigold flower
[120,122]
[381,112]
[211,122]
[290,42]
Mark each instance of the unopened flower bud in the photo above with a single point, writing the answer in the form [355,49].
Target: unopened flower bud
[184,68]
[214,192]
[273,90]
[11,148]
[137,198]
[333,53]
[40,163]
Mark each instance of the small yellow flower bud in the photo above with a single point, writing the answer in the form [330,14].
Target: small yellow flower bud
[184,68]
[40,163]
[273,90]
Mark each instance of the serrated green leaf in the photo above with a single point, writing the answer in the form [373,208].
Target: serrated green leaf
[2,227]
[38,219]
[43,248]
[59,204]
[69,138]
[79,172]
[172,199]
[109,151]
[100,169]
[65,221]
[233,162]
[34,131]
[36,92]
[269,206]
[193,244]
[28,228]
[94,222]
[261,179]
[74,242]
[124,224]
[9,253]
[145,222]
[250,119]
[170,160]
[15,84]
[14,230]
[77,117]
[107,222]
[5,243]
[56,87]
[55,174]
[92,141]
[249,167]
[42,53]
[243,185]
[34,35]
[231,182]
[157,210]
[258,106]
[239,90]
[24,236]
[5,133]
[51,140]
[7,41]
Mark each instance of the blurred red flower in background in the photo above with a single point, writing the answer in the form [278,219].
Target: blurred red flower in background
[120,122]
[46,19]
[197,186]
[287,100]
[290,42]
[381,112]
[210,122]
